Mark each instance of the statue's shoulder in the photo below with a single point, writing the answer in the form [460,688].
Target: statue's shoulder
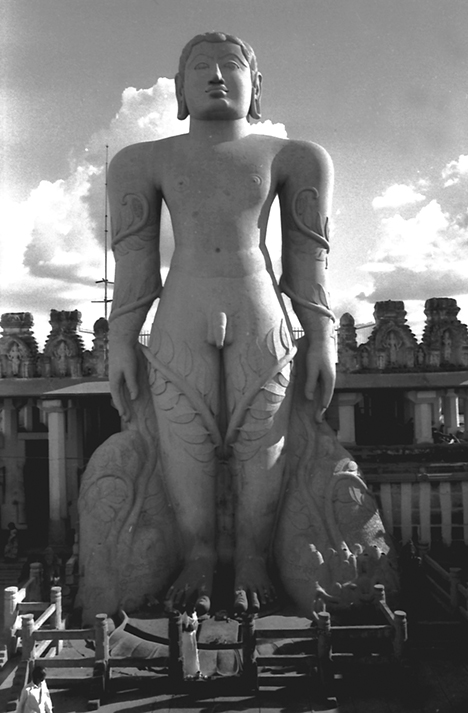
[143,161]
[141,153]
[296,155]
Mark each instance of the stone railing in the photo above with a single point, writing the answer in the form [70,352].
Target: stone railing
[424,507]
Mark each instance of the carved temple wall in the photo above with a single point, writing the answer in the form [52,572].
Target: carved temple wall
[64,353]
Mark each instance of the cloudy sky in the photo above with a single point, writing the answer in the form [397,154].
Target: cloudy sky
[381,85]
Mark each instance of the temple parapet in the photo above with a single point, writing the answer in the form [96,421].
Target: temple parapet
[348,357]
[391,347]
[18,347]
[64,354]
[96,361]
[64,349]
[445,338]
[392,344]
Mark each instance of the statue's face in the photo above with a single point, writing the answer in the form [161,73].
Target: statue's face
[217,82]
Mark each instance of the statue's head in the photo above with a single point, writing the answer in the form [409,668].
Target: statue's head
[192,56]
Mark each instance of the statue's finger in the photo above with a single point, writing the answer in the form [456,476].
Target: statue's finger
[132,385]
[168,604]
[309,390]
[328,387]
[311,382]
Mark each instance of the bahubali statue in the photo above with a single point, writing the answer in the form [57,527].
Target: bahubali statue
[226,468]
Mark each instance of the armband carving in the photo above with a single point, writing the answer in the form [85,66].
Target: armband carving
[322,309]
[135,214]
[125,309]
[308,219]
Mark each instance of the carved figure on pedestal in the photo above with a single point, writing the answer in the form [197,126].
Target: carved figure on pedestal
[214,410]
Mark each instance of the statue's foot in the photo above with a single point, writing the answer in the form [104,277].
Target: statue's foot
[192,588]
[253,588]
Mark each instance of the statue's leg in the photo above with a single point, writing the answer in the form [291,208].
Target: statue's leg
[258,455]
[184,380]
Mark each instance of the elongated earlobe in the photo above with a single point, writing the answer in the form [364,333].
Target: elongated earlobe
[255,109]
[182,108]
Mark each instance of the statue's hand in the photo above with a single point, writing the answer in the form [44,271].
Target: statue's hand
[123,369]
[320,363]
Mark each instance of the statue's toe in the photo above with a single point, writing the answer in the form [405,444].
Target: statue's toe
[240,601]
[254,603]
[203,605]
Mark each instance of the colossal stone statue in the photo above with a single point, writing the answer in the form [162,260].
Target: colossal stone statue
[225,464]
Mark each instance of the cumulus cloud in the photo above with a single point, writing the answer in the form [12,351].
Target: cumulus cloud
[455,170]
[397,196]
[144,115]
[52,244]
[423,251]
[418,286]
[267,127]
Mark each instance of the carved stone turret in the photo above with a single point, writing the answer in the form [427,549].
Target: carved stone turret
[18,347]
[96,361]
[445,338]
[347,344]
[63,351]
[392,344]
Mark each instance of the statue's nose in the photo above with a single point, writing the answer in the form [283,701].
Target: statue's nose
[217,76]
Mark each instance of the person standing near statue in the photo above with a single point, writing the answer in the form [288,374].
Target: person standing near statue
[221,348]
[35,696]
[10,552]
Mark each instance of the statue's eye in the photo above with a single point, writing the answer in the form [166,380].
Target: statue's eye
[201,65]
[230,64]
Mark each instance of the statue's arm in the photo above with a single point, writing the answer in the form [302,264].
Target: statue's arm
[305,198]
[135,206]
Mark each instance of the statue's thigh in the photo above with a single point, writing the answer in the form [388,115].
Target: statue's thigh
[184,381]
[258,375]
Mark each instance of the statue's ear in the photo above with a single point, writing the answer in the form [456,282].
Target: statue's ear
[255,110]
[182,108]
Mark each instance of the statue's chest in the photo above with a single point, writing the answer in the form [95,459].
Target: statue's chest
[222,180]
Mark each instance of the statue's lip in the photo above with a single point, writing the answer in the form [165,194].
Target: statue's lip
[221,88]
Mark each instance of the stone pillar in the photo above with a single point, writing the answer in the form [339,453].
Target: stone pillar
[463,395]
[450,411]
[423,414]
[346,404]
[13,508]
[26,415]
[57,471]
[74,460]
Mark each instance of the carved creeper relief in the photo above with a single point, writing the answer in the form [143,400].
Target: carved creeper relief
[311,225]
[129,235]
